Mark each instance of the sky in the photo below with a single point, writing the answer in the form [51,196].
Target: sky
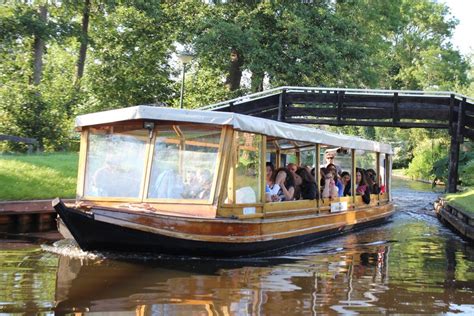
[463,37]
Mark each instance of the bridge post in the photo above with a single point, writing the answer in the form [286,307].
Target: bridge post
[281,106]
[456,140]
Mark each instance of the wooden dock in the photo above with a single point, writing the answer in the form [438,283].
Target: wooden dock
[24,216]
[461,221]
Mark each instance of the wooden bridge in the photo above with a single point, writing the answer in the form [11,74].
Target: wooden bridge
[359,107]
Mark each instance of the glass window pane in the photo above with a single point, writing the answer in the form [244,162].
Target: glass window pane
[115,163]
[308,157]
[184,162]
[248,175]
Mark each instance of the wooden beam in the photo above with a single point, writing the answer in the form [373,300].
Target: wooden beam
[395,113]
[281,107]
[368,123]
[18,139]
[451,114]
[340,98]
[353,176]
[460,125]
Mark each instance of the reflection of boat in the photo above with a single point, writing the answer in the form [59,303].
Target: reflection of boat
[132,284]
[192,183]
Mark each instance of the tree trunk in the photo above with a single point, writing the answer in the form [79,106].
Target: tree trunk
[38,48]
[257,81]
[84,41]
[235,72]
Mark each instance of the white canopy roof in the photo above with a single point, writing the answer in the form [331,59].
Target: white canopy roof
[237,121]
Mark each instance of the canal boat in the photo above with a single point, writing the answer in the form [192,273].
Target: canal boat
[191,182]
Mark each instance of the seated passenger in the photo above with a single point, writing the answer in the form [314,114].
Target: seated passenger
[269,173]
[362,188]
[284,178]
[309,189]
[330,189]
[204,184]
[346,183]
[298,181]
[370,175]
[332,168]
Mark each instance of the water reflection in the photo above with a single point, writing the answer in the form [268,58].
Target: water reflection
[411,265]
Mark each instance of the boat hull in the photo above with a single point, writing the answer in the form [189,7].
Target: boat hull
[97,235]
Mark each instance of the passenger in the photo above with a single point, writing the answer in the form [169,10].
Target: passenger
[370,176]
[204,183]
[269,174]
[292,167]
[362,187]
[330,189]
[284,178]
[270,188]
[309,189]
[346,183]
[332,168]
[322,182]
[330,157]
[298,180]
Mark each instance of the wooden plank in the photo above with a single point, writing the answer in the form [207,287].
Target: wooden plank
[460,125]
[263,167]
[289,205]
[81,170]
[149,150]
[281,107]
[218,168]
[221,186]
[28,207]
[368,113]
[395,113]
[368,123]
[353,176]
[340,99]
[377,180]
[317,173]
[388,175]
[451,114]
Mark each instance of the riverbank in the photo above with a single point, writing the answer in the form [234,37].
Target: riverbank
[38,176]
[458,211]
[463,201]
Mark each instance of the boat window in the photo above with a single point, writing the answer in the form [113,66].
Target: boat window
[184,162]
[115,162]
[248,175]
[308,157]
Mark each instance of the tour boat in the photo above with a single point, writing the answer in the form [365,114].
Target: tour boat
[191,182]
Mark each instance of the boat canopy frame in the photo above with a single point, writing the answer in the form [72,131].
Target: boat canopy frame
[238,122]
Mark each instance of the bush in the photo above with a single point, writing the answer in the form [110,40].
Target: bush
[429,157]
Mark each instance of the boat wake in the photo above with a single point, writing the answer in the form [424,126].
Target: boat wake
[69,248]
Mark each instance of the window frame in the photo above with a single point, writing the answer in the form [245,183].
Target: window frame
[148,156]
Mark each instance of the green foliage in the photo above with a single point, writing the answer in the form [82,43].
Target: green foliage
[45,176]
[128,62]
[394,44]
[426,154]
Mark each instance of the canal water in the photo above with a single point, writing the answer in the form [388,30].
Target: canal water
[412,264]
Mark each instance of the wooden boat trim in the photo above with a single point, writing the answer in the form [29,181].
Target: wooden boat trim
[336,220]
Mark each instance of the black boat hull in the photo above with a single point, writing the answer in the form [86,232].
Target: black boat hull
[94,235]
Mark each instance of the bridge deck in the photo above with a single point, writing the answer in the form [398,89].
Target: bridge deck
[388,108]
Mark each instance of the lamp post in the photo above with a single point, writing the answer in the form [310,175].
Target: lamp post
[185,58]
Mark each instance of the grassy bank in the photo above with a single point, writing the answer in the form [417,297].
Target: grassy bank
[462,200]
[39,176]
